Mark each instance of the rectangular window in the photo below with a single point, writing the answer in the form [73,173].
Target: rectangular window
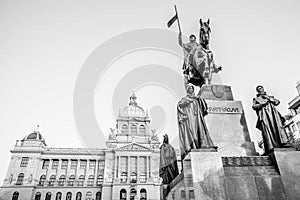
[24,162]
[74,164]
[83,164]
[45,164]
[101,165]
[191,195]
[92,164]
[64,164]
[54,164]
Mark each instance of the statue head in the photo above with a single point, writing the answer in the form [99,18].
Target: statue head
[190,89]
[192,38]
[260,89]
[166,139]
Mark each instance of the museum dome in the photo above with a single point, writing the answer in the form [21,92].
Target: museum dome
[133,110]
[34,136]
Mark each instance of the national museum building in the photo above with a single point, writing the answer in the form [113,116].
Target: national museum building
[127,169]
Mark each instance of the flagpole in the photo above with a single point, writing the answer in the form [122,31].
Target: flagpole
[177,19]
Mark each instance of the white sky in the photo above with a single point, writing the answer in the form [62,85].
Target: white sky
[43,45]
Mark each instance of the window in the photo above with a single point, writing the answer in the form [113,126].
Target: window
[142,129]
[37,196]
[42,180]
[71,180]
[83,164]
[15,196]
[182,194]
[123,194]
[69,196]
[98,196]
[124,129]
[99,180]
[20,179]
[62,180]
[45,164]
[58,196]
[48,196]
[52,180]
[143,194]
[64,164]
[88,196]
[101,165]
[133,177]
[92,164]
[54,164]
[294,128]
[90,180]
[74,164]
[191,195]
[24,162]
[143,177]
[132,194]
[78,196]
[133,129]
[123,177]
[80,180]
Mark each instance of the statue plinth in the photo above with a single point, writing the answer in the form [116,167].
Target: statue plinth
[226,121]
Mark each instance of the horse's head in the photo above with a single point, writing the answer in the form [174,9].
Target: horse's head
[204,33]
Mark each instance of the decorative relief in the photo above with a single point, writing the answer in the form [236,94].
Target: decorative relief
[246,161]
[135,147]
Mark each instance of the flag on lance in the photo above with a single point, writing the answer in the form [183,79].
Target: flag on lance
[171,21]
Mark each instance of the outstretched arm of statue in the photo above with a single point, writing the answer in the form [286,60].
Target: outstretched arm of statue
[274,101]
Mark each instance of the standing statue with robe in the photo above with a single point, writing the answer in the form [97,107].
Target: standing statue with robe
[193,132]
[269,122]
[168,169]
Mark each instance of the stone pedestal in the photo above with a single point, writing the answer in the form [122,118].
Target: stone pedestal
[288,162]
[226,121]
[208,174]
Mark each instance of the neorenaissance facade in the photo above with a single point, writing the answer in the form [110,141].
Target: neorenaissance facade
[128,168]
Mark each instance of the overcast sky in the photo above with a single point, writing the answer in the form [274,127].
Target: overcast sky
[46,44]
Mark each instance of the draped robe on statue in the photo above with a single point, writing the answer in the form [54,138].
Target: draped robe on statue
[168,169]
[193,132]
[270,122]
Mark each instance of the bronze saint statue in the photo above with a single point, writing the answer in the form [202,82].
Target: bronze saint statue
[193,133]
[269,122]
[168,169]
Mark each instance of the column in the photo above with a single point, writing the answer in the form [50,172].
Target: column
[138,169]
[128,168]
[149,166]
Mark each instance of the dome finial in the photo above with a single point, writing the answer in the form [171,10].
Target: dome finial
[37,128]
[132,99]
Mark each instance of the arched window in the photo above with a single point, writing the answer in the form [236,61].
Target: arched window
[133,177]
[98,195]
[52,180]
[62,180]
[143,177]
[15,196]
[42,180]
[123,194]
[69,196]
[90,180]
[133,129]
[78,196]
[37,196]
[142,130]
[123,177]
[143,194]
[48,196]
[88,196]
[132,194]
[80,180]
[124,129]
[20,179]
[99,179]
[58,196]
[71,180]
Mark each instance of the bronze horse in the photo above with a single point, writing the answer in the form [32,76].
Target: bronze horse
[202,64]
